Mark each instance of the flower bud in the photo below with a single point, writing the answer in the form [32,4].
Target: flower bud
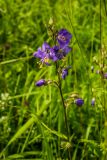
[65,72]
[79,102]
[40,83]
[93,102]
[92,69]
[98,72]
[105,75]
[51,21]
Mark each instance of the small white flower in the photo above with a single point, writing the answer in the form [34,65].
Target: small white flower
[4,96]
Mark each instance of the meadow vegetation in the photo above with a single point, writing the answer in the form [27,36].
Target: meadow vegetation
[32,122]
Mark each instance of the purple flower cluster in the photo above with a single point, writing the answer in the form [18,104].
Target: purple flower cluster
[57,52]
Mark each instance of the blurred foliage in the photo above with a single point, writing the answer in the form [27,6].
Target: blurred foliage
[31,118]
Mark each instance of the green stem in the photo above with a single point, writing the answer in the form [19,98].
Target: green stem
[64,107]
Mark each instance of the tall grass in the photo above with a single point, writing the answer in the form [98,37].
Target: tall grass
[32,119]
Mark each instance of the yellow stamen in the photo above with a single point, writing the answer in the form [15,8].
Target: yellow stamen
[46,60]
[60,37]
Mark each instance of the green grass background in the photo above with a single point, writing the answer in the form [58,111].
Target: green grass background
[31,119]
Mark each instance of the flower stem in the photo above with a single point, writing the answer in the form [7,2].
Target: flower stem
[64,107]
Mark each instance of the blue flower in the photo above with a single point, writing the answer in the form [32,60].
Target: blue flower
[53,55]
[93,102]
[65,72]
[64,37]
[105,75]
[66,50]
[58,53]
[43,53]
[40,83]
[79,102]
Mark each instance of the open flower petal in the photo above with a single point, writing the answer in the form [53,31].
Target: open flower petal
[64,37]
